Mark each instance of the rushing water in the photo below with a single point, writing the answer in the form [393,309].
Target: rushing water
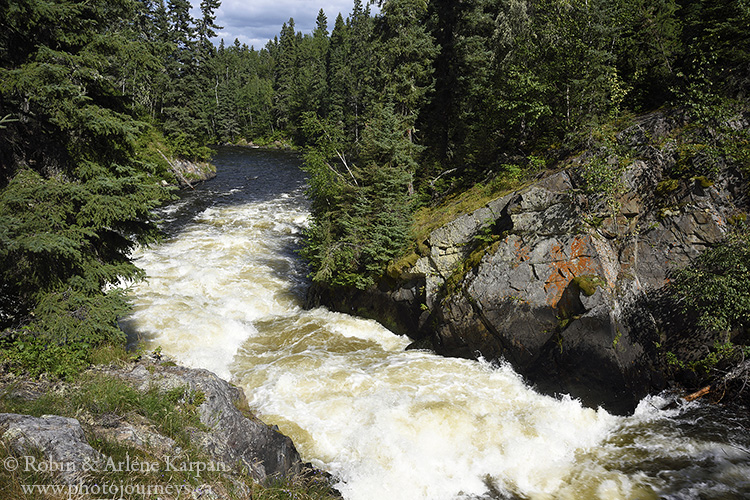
[225,292]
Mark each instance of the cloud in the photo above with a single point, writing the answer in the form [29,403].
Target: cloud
[258,21]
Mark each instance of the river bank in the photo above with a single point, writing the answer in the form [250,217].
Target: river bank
[226,292]
[567,277]
[144,424]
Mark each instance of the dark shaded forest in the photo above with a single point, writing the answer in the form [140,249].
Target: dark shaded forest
[394,112]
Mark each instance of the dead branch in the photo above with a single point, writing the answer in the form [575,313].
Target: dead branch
[176,170]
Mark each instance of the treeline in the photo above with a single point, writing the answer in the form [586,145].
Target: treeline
[431,97]
[393,111]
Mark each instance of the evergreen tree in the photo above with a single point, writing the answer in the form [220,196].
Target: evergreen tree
[74,199]
[361,215]
[184,115]
[456,117]
[286,77]
[316,66]
[337,72]
[206,26]
[406,52]
[361,70]
[646,38]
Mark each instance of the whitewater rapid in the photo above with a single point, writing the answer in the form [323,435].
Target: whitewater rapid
[225,292]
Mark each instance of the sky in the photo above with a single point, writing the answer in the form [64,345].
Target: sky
[254,22]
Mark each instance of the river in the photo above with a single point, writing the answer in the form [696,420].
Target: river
[225,292]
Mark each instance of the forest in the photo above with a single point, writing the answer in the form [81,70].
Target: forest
[393,112]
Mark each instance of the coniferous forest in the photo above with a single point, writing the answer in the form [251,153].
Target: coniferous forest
[393,111]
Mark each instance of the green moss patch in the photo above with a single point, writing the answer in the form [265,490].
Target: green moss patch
[667,186]
[588,284]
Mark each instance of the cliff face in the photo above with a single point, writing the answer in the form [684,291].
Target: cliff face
[554,283]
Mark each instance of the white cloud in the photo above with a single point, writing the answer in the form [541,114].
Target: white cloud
[254,22]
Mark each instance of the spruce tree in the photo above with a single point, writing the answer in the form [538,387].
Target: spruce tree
[74,199]
[286,75]
[337,72]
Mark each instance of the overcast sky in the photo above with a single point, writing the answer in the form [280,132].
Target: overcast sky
[255,22]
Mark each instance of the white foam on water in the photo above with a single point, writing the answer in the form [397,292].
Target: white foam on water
[206,286]
[411,425]
[390,423]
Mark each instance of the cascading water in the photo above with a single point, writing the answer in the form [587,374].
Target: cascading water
[224,292]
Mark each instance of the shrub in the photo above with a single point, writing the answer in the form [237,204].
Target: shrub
[715,290]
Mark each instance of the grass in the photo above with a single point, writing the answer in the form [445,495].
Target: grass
[172,413]
[427,219]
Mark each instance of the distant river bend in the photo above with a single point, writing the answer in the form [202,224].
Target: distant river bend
[225,292]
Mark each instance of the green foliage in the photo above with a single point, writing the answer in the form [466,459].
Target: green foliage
[721,355]
[185,146]
[362,216]
[398,110]
[406,51]
[68,328]
[715,31]
[173,411]
[369,226]
[75,195]
[715,290]
[603,179]
[713,296]
[69,237]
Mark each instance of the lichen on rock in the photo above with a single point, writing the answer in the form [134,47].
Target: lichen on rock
[560,292]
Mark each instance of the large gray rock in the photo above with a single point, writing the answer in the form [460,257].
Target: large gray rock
[559,298]
[234,435]
[60,440]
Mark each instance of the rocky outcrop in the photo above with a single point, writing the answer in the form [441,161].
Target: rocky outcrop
[187,173]
[552,278]
[233,435]
[61,440]
[230,436]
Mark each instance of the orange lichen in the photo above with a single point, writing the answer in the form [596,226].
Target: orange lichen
[566,266]
[521,252]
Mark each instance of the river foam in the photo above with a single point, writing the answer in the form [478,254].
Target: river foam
[224,292]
